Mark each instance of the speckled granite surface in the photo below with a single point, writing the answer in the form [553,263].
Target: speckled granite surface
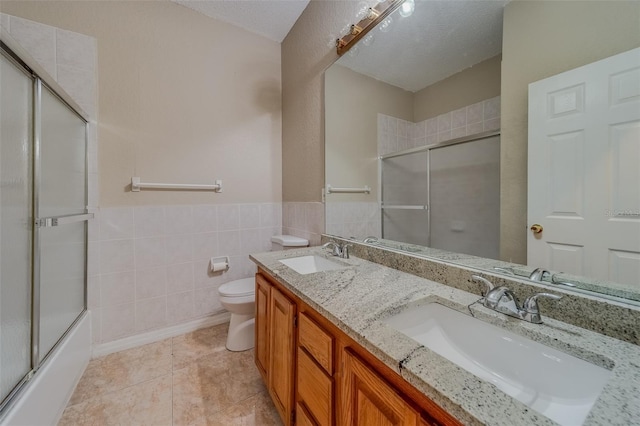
[359,297]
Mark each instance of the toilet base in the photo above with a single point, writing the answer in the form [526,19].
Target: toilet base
[241,333]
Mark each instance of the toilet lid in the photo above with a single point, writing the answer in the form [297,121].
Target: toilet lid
[243,287]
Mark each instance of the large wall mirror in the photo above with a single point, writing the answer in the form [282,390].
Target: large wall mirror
[502,135]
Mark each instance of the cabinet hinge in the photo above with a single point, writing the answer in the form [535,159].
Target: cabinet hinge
[293,417]
[295,321]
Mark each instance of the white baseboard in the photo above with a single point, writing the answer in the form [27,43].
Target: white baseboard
[157,335]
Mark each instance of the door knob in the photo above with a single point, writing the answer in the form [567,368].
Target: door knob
[536,228]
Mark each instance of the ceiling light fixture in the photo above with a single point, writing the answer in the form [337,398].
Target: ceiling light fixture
[407,8]
[375,15]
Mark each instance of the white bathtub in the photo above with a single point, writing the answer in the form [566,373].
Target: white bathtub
[44,398]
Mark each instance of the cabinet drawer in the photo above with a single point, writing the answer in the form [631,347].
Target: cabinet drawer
[315,389]
[317,342]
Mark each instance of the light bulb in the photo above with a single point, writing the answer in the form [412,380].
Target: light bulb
[407,8]
[385,25]
[368,40]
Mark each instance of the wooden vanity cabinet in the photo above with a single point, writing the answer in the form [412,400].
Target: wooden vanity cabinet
[275,345]
[317,375]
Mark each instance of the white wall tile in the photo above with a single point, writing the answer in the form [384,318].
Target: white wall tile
[179,248]
[118,321]
[458,132]
[475,113]
[228,217]
[459,118]
[151,313]
[150,252]
[205,218]
[180,277]
[151,282]
[75,50]
[93,225]
[270,215]
[206,301]
[38,40]
[444,136]
[492,108]
[205,245]
[148,221]
[116,223]
[4,21]
[93,196]
[444,122]
[93,292]
[93,258]
[493,124]
[229,243]
[96,326]
[117,289]
[250,241]
[180,307]
[265,237]
[475,128]
[80,85]
[116,256]
[314,219]
[202,275]
[249,216]
[431,126]
[178,220]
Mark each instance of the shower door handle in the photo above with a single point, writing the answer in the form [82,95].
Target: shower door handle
[63,220]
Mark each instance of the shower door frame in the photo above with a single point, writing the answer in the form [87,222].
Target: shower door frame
[427,148]
[40,81]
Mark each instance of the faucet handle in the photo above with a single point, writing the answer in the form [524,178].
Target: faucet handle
[345,250]
[531,304]
[479,279]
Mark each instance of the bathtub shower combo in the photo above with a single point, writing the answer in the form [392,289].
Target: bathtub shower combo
[45,337]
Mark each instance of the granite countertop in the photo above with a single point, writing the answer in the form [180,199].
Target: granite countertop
[359,297]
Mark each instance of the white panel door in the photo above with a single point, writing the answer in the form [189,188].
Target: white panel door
[584,170]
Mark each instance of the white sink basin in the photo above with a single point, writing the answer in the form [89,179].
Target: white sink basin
[555,384]
[310,264]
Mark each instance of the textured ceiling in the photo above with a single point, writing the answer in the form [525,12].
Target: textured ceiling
[438,40]
[270,18]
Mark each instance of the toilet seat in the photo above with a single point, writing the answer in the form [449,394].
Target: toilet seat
[238,288]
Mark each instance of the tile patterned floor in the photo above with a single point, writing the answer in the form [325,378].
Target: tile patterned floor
[187,380]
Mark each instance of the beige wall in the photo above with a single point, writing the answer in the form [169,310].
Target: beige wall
[475,84]
[182,98]
[307,51]
[542,39]
[352,104]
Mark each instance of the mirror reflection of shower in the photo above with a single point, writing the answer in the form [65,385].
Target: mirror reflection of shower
[444,196]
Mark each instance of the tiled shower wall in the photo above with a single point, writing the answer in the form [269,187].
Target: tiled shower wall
[149,268]
[395,134]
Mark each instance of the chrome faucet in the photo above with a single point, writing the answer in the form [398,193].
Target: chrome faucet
[538,274]
[339,250]
[501,299]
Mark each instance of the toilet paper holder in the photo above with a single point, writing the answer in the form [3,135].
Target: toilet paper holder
[219,264]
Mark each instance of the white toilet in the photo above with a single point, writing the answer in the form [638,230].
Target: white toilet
[239,297]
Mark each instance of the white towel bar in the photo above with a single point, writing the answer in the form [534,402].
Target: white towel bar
[136,186]
[365,190]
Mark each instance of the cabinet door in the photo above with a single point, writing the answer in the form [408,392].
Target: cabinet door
[262,325]
[281,353]
[368,400]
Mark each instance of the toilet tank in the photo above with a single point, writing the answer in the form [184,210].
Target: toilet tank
[287,242]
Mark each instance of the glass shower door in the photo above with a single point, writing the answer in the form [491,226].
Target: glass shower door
[61,212]
[405,199]
[16,94]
